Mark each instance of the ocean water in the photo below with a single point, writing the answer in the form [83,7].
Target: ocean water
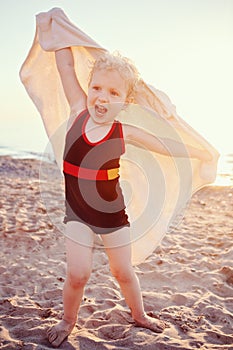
[224,172]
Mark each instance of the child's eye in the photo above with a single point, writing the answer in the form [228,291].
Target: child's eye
[96,88]
[114,93]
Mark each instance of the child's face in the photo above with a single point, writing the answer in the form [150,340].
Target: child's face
[107,94]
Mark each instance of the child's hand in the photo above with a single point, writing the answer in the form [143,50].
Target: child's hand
[205,156]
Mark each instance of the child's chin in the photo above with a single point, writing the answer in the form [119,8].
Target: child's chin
[99,119]
[102,119]
[100,116]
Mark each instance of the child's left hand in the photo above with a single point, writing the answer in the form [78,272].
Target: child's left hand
[205,156]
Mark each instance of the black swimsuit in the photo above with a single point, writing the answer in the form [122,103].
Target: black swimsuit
[93,193]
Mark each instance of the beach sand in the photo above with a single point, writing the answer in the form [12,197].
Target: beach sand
[187,282]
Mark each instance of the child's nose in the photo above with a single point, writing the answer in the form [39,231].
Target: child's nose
[103,97]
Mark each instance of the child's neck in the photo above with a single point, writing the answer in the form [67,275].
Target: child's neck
[97,131]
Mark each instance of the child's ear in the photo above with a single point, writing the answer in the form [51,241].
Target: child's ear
[129,100]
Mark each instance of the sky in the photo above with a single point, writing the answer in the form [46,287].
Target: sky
[182,47]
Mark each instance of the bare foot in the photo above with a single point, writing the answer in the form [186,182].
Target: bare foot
[56,334]
[150,323]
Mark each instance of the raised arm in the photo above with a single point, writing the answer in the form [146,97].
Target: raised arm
[166,147]
[75,95]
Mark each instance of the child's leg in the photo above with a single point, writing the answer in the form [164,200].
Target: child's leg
[79,249]
[79,262]
[118,249]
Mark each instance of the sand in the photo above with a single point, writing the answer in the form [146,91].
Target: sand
[187,282]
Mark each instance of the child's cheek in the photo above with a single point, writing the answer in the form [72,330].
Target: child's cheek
[117,106]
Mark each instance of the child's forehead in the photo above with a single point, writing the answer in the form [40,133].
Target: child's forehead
[105,75]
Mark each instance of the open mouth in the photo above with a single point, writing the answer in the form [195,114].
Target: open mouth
[100,110]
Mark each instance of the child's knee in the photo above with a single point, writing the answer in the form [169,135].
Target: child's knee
[78,280]
[122,274]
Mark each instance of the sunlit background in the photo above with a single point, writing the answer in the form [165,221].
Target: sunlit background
[182,47]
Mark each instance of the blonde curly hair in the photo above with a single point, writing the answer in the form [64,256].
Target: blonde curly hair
[123,65]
